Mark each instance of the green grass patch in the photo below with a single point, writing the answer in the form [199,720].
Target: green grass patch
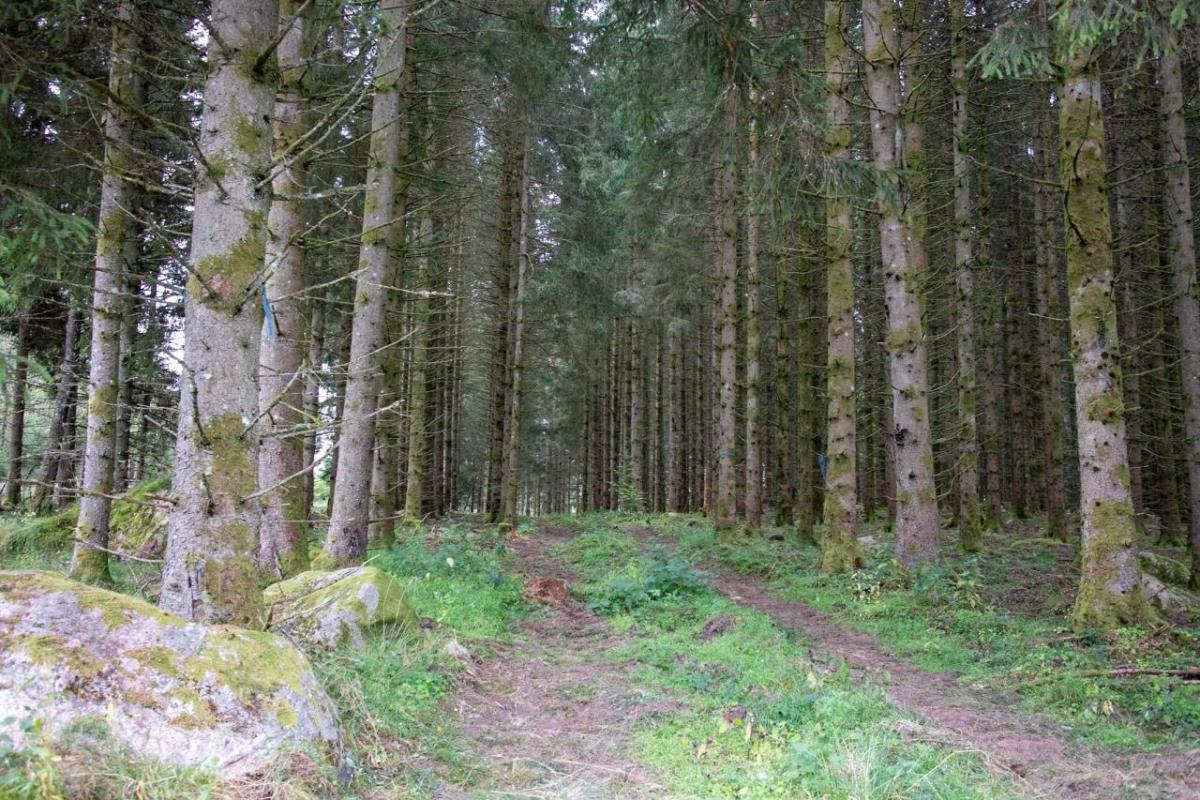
[763,719]
[998,618]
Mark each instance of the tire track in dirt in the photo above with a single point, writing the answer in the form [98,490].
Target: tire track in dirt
[546,715]
[1034,751]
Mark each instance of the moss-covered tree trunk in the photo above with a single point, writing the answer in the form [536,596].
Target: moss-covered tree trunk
[115,244]
[209,569]
[283,549]
[1110,589]
[1183,267]
[969,516]
[902,250]
[348,524]
[839,546]
[389,474]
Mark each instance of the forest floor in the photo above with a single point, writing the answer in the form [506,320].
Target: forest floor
[681,665]
[563,710]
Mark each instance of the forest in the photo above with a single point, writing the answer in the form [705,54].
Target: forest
[594,399]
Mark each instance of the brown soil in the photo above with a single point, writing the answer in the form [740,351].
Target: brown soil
[546,591]
[546,715]
[1034,751]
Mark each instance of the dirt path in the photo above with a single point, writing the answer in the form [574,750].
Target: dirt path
[1035,751]
[545,715]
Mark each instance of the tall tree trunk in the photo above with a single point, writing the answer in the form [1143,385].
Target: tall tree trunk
[283,549]
[990,342]
[339,408]
[16,424]
[347,540]
[839,545]
[1183,266]
[64,399]
[68,468]
[115,247]
[1110,590]
[417,404]
[511,477]
[783,452]
[754,471]
[637,411]
[502,280]
[725,229]
[969,517]
[130,314]
[1049,307]
[917,527]
[209,570]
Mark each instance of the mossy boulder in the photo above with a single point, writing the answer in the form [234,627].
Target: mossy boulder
[1163,598]
[168,689]
[333,609]
[1165,569]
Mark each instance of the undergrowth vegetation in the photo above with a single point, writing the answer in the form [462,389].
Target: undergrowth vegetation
[998,618]
[754,712]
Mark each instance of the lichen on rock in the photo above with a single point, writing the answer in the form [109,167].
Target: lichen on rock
[332,609]
[168,689]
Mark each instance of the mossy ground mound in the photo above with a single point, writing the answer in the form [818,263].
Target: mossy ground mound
[137,525]
[335,609]
[167,689]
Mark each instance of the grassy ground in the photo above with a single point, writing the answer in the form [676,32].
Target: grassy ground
[762,717]
[998,618]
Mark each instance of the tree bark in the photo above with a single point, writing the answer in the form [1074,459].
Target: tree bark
[1049,307]
[970,523]
[1110,590]
[725,229]
[902,249]
[64,399]
[115,245]
[283,549]
[839,545]
[754,470]
[16,424]
[209,570]
[417,404]
[1182,251]
[510,480]
[347,540]
[130,314]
